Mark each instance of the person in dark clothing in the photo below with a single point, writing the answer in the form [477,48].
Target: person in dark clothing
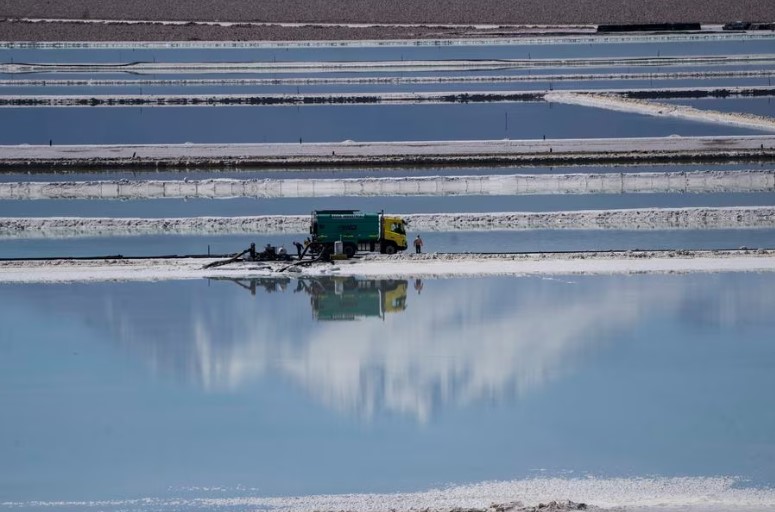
[299,248]
[418,245]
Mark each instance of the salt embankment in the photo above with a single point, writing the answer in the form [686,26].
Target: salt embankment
[630,219]
[402,265]
[332,154]
[515,184]
[639,106]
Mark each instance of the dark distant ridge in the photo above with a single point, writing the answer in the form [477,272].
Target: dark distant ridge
[592,12]
[649,27]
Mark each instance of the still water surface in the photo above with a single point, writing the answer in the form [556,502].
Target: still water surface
[362,123]
[483,241]
[286,387]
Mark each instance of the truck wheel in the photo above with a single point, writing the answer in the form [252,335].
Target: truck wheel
[349,250]
[390,249]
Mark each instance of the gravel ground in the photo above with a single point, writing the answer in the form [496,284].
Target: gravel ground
[346,11]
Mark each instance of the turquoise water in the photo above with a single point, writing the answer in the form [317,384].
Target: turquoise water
[121,391]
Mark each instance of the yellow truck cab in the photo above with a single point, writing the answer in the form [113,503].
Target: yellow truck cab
[393,233]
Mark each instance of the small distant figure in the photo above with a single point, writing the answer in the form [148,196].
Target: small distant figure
[299,248]
[418,245]
[418,285]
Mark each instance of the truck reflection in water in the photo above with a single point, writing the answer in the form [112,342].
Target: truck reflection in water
[339,298]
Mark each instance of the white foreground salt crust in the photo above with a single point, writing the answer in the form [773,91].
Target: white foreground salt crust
[426,265]
[701,494]
[618,103]
[516,184]
[633,219]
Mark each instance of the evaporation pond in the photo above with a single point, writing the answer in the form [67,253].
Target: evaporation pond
[284,387]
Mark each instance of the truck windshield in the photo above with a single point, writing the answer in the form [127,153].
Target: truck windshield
[397,227]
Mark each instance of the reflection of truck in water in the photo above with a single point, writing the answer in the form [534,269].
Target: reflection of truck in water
[347,298]
[338,297]
[373,232]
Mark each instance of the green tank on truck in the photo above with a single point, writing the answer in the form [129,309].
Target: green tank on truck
[358,231]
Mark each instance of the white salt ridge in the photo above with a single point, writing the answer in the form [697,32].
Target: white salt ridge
[426,265]
[701,494]
[617,103]
[516,184]
[385,66]
[631,219]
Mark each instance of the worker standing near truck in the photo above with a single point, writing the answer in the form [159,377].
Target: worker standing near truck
[418,245]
